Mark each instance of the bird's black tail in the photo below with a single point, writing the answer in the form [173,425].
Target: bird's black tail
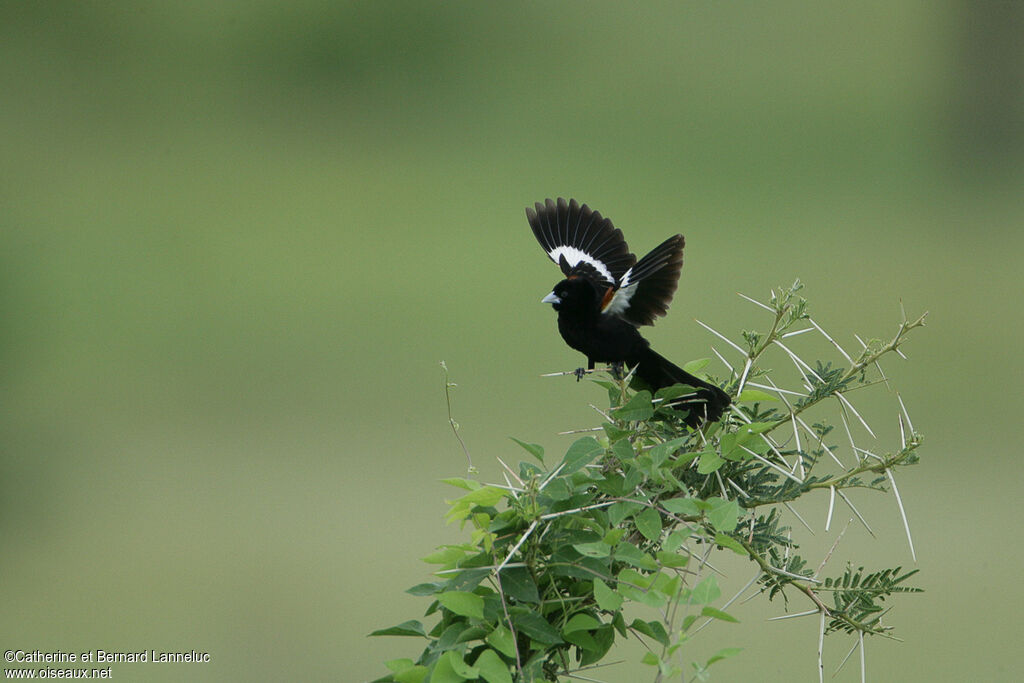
[709,401]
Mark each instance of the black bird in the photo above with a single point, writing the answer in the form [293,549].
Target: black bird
[607,293]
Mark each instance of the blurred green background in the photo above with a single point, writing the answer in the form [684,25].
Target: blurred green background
[237,238]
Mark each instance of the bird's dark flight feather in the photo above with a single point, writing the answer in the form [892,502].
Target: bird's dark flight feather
[607,294]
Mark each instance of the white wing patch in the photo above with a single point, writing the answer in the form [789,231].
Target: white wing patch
[573,256]
[620,300]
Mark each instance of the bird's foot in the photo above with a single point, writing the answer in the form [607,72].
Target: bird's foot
[616,370]
[579,372]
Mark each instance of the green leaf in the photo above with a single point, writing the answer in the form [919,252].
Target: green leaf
[732,445]
[637,408]
[695,366]
[620,511]
[688,622]
[606,598]
[725,515]
[527,470]
[488,496]
[630,554]
[648,523]
[672,560]
[634,477]
[414,674]
[675,540]
[492,668]
[535,626]
[594,549]
[558,489]
[723,654]
[614,536]
[681,506]
[660,452]
[709,461]
[730,543]
[451,636]
[623,450]
[518,583]
[459,665]
[448,554]
[706,592]
[399,665]
[583,640]
[425,589]
[620,624]
[667,394]
[466,580]
[652,629]
[581,622]
[580,454]
[444,671]
[614,433]
[406,628]
[719,614]
[605,638]
[501,640]
[634,586]
[461,483]
[463,603]
[534,449]
[753,396]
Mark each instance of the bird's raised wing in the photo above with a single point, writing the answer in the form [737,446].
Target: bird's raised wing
[581,241]
[646,289]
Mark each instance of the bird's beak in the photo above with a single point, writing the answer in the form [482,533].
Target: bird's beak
[551,299]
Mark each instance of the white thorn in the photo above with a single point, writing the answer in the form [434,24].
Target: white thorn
[755,301]
[795,616]
[724,361]
[905,413]
[721,485]
[849,405]
[834,342]
[737,487]
[743,377]
[776,389]
[903,513]
[739,413]
[511,471]
[730,601]
[845,659]
[772,465]
[831,506]
[821,647]
[821,443]
[856,512]
[806,525]
[722,337]
[863,669]
[846,425]
[551,476]
[796,359]
[529,530]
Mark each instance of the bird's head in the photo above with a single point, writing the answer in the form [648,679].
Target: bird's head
[574,294]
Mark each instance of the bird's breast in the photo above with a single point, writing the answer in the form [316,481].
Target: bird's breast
[607,339]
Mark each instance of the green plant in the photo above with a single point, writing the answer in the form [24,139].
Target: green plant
[635,516]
